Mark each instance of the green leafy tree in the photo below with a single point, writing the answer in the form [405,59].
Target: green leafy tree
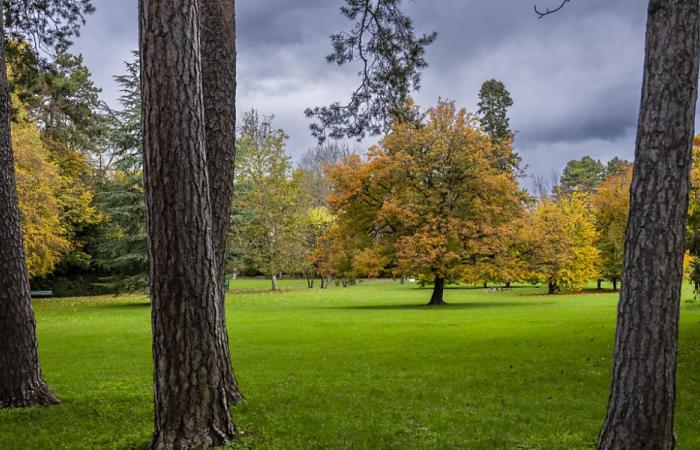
[494,101]
[581,175]
[121,248]
[266,228]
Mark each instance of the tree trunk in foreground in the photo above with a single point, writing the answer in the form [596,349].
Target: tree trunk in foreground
[642,397]
[437,298]
[191,408]
[21,383]
[218,40]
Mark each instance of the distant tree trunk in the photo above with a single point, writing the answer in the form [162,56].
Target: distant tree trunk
[403,280]
[274,282]
[600,284]
[191,408]
[309,280]
[486,284]
[614,282]
[21,383]
[507,284]
[218,40]
[642,398]
[553,287]
[438,290]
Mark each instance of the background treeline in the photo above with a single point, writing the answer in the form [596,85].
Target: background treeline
[438,199]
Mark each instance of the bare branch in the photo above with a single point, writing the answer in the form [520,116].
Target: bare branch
[548,11]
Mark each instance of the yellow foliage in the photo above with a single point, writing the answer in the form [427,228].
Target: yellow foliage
[38,182]
[561,236]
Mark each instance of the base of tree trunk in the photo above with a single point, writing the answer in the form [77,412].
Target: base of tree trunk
[437,298]
[553,288]
[233,394]
[39,395]
[182,439]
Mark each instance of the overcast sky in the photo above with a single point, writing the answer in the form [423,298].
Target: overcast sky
[575,77]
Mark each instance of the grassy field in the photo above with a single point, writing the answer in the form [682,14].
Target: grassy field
[366,367]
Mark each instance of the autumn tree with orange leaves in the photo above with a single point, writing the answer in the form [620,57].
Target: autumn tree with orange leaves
[428,199]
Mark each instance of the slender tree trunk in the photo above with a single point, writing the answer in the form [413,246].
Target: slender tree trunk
[274,282]
[21,383]
[507,284]
[553,287]
[642,397]
[600,284]
[486,284]
[614,282]
[218,40]
[437,298]
[191,408]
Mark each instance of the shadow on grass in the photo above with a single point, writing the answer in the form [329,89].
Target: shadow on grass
[129,305]
[471,287]
[447,306]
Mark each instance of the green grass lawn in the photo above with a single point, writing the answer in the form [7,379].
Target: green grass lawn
[359,368]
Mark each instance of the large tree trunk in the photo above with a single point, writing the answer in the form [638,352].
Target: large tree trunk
[191,408]
[642,397]
[21,383]
[218,40]
[437,298]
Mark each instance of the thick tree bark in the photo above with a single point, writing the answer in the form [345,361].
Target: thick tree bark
[191,408]
[21,383]
[642,397]
[439,288]
[218,40]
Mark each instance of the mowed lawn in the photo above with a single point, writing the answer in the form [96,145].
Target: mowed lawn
[366,367]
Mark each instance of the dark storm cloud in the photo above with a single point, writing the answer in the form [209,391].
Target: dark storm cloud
[575,76]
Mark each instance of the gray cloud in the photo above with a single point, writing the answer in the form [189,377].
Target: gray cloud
[575,76]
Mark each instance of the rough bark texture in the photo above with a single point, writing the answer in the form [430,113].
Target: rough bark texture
[21,383]
[191,408]
[438,290]
[218,40]
[642,398]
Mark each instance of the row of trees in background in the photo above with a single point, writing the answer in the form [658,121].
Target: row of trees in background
[294,220]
